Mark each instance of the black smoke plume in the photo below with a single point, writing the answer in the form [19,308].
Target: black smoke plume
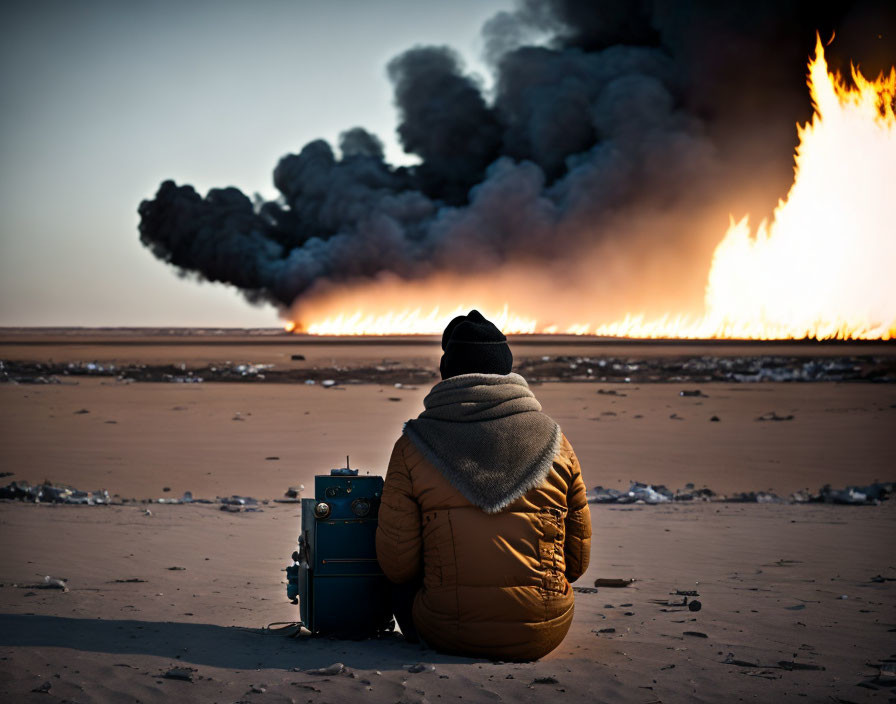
[600,112]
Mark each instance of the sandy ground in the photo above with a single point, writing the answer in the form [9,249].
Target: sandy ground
[771,580]
[137,439]
[770,577]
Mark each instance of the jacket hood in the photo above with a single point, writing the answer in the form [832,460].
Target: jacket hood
[488,437]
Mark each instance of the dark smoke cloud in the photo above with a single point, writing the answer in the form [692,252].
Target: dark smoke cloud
[600,112]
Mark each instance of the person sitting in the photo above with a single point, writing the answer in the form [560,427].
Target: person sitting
[483,521]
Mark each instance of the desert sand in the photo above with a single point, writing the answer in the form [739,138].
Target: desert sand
[779,583]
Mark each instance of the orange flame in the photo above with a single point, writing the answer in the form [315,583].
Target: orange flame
[823,267]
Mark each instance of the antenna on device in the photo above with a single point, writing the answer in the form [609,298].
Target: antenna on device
[347,466]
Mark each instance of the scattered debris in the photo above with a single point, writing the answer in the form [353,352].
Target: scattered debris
[421,667]
[605,630]
[129,580]
[607,370]
[612,582]
[695,634]
[780,665]
[52,583]
[771,415]
[696,393]
[546,680]
[731,660]
[184,674]
[337,668]
[753,497]
[44,688]
[81,411]
[52,493]
[236,508]
[714,419]
[655,494]
[239,501]
[854,495]
[886,674]
[791,665]
[177,569]
[585,590]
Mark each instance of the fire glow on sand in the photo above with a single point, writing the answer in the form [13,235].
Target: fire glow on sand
[822,268]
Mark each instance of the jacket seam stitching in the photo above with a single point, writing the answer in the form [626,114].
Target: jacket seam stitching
[456,576]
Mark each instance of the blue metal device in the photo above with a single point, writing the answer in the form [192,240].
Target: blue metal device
[335,576]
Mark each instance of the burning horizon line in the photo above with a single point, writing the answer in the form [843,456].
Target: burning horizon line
[820,269]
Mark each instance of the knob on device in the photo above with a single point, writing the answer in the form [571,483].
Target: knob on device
[360,507]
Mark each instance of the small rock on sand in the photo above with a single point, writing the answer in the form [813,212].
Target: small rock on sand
[422,667]
[335,669]
[607,582]
[774,416]
[53,583]
[184,674]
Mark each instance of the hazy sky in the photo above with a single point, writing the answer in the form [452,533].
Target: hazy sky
[101,101]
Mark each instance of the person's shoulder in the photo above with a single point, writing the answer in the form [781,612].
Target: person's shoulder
[565,456]
[406,449]
[402,444]
[565,447]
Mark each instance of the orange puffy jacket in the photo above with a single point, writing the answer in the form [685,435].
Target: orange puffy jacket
[494,585]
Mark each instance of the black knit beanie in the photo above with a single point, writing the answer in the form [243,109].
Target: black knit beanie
[474,345]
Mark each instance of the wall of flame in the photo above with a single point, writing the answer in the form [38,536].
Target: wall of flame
[822,267]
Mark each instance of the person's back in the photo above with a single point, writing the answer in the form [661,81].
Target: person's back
[484,507]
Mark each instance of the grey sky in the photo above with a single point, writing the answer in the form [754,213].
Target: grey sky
[103,101]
